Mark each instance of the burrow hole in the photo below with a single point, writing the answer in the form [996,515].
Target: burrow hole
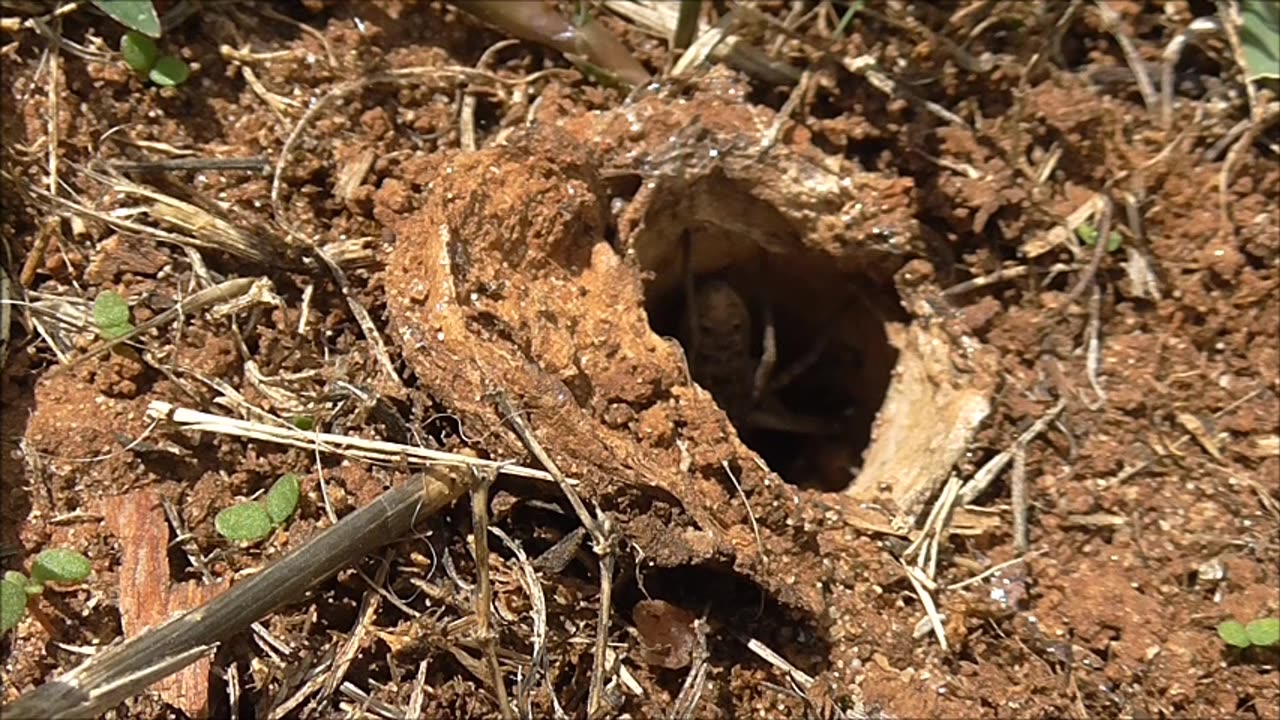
[813,420]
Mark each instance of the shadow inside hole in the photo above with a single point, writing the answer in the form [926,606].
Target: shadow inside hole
[833,363]
[735,610]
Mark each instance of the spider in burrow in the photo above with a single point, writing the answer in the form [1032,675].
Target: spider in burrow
[718,333]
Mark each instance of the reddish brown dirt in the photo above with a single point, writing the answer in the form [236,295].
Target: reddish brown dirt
[550,265]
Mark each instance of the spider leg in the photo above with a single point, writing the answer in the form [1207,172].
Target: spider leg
[691,311]
[783,420]
[768,355]
[804,363]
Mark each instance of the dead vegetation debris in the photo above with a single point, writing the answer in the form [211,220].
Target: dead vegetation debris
[803,380]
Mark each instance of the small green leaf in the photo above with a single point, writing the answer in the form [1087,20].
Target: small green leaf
[60,565]
[111,332]
[1233,633]
[13,604]
[1260,38]
[854,7]
[304,423]
[137,15]
[110,308]
[139,51]
[1088,235]
[169,71]
[1264,632]
[282,498]
[28,586]
[111,315]
[245,523]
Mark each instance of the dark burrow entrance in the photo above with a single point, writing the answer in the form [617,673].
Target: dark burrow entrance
[793,349]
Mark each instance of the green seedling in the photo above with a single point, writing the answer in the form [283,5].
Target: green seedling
[847,18]
[305,423]
[244,522]
[1260,38]
[169,71]
[250,522]
[137,15]
[140,52]
[144,58]
[282,498]
[53,565]
[111,315]
[138,44]
[1263,632]
[1088,235]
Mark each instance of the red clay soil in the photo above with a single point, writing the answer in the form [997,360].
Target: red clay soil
[611,265]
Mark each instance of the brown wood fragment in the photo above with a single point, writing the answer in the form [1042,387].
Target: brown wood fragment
[148,598]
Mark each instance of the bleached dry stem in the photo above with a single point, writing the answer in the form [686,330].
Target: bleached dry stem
[377,451]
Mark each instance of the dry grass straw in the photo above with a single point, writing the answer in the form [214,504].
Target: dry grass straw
[1200,27]
[718,44]
[351,646]
[482,596]
[1114,25]
[6,314]
[987,474]
[191,226]
[208,231]
[364,320]
[796,675]
[1006,274]
[603,540]
[1087,278]
[537,671]
[920,560]
[1175,446]
[1093,348]
[300,685]
[686,702]
[751,516]
[380,452]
